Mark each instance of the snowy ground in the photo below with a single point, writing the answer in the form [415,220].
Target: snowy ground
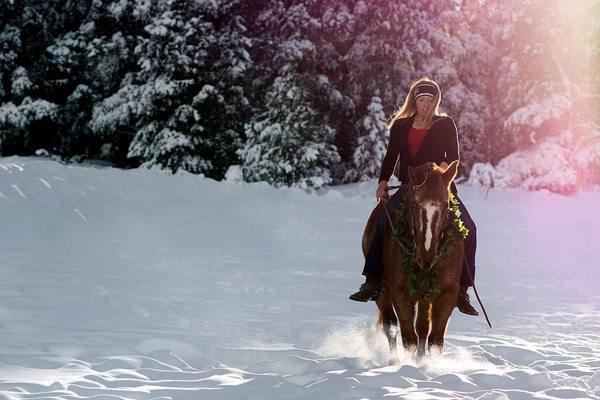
[136,284]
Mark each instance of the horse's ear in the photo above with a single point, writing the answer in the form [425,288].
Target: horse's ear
[451,171]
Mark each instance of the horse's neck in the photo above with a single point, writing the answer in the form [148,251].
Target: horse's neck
[408,220]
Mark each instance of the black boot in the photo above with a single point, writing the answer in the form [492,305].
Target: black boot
[370,290]
[463,304]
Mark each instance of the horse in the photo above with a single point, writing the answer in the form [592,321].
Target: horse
[428,203]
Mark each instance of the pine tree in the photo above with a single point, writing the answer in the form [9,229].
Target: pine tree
[289,142]
[542,76]
[289,51]
[84,66]
[184,106]
[371,148]
[29,27]
[544,88]
[21,110]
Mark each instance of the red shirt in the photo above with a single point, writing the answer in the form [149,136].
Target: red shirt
[415,138]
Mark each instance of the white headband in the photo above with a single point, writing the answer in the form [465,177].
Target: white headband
[425,89]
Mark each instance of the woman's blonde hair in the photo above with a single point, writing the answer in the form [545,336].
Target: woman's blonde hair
[409,108]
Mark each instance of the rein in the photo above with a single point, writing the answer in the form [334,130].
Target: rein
[383,204]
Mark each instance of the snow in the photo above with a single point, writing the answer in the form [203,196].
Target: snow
[11,115]
[234,174]
[535,114]
[550,165]
[138,284]
[29,110]
[21,82]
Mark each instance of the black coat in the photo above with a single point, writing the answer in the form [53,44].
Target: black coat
[440,144]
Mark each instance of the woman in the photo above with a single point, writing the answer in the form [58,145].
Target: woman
[418,134]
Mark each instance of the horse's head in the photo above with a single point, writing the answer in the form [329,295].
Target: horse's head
[429,190]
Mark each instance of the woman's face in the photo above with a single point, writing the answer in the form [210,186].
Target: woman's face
[424,103]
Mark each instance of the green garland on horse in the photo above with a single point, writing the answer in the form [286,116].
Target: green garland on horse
[422,281]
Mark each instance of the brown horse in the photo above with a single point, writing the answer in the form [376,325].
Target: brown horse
[428,202]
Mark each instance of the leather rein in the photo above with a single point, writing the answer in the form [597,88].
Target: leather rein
[411,190]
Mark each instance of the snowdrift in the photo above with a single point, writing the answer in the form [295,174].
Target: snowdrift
[141,285]
[551,165]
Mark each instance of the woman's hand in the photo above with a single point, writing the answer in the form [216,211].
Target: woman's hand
[382,192]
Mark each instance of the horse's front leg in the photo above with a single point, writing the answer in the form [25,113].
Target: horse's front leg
[389,323]
[422,325]
[405,308]
[440,314]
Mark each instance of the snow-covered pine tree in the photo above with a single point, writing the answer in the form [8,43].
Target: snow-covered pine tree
[85,65]
[25,116]
[185,104]
[330,69]
[544,90]
[540,68]
[379,58]
[289,139]
[371,147]
[289,143]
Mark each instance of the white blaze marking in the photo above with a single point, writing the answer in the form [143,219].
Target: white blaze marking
[430,210]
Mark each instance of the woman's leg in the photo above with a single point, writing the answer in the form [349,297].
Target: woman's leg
[373,269]
[470,247]
[468,271]
[374,259]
